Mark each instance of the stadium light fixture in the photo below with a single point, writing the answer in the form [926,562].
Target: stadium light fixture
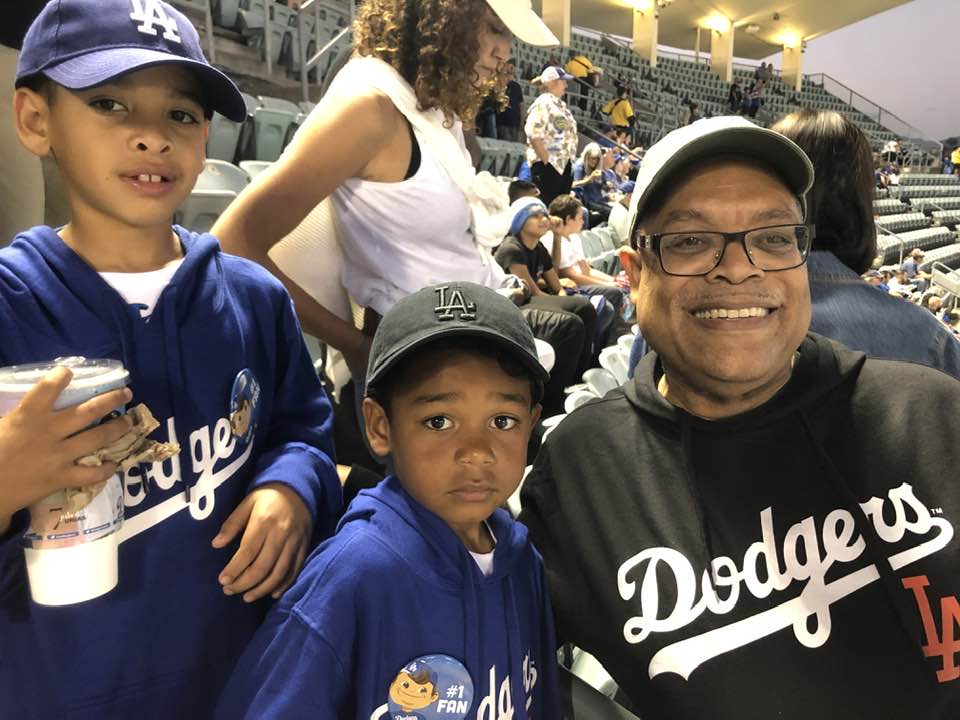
[790,39]
[642,6]
[718,23]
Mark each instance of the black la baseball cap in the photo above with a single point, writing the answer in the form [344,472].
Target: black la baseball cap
[455,309]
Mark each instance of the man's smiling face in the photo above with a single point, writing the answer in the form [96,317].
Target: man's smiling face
[737,324]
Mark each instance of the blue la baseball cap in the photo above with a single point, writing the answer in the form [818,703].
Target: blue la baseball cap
[83,43]
[419,666]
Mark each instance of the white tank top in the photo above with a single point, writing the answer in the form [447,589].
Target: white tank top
[400,237]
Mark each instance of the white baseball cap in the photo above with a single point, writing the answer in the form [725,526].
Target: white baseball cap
[522,21]
[729,134]
[550,74]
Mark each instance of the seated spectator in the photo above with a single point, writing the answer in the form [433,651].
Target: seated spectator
[694,114]
[622,166]
[955,160]
[522,188]
[933,303]
[590,185]
[567,255]
[910,266]
[878,279]
[611,137]
[951,318]
[620,212]
[900,285]
[522,254]
[510,119]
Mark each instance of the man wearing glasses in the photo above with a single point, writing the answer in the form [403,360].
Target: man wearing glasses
[748,528]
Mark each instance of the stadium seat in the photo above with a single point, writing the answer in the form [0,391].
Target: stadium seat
[225,12]
[576,399]
[948,255]
[614,360]
[254,167]
[889,206]
[272,122]
[251,19]
[600,381]
[903,222]
[202,208]
[224,138]
[220,175]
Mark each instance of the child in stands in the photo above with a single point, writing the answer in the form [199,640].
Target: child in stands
[428,602]
[119,93]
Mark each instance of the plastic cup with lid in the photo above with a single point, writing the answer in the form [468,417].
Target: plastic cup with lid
[71,546]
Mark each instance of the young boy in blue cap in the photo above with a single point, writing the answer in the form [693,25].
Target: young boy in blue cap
[120,94]
[429,602]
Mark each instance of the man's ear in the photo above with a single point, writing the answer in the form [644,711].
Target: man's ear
[632,263]
[31,115]
[377,427]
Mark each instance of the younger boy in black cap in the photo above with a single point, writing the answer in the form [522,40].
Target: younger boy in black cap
[425,570]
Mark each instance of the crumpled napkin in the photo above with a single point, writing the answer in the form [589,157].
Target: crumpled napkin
[131,449]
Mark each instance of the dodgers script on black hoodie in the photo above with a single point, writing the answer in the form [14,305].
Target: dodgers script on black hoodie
[794,562]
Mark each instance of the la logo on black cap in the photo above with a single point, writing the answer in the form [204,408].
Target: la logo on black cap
[447,305]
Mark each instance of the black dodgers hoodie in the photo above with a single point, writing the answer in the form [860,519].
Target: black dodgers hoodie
[796,561]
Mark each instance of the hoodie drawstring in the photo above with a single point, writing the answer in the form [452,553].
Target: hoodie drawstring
[689,474]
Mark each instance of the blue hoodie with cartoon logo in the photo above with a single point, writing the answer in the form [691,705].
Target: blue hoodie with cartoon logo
[392,618]
[163,642]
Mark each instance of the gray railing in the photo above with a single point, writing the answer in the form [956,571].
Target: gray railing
[309,63]
[896,237]
[920,147]
[204,7]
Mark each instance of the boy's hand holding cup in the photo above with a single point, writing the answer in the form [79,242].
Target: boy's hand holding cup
[39,446]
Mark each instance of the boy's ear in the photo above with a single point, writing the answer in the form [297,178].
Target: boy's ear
[377,427]
[535,414]
[31,115]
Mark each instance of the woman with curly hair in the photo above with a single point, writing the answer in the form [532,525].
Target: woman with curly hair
[404,222]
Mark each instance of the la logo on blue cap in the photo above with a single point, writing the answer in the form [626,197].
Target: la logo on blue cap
[149,13]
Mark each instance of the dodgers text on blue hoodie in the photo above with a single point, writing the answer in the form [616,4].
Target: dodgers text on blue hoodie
[163,642]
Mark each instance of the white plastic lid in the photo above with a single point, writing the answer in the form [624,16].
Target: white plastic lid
[91,377]
[68,575]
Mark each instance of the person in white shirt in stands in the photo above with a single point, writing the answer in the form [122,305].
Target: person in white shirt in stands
[566,252]
[551,136]
[405,223]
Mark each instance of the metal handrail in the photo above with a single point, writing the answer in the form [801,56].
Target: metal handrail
[906,130]
[204,7]
[308,64]
[899,239]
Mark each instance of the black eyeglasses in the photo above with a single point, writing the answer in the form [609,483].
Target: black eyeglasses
[698,252]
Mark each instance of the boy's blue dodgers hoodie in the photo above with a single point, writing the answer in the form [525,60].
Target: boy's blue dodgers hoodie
[393,585]
[163,642]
